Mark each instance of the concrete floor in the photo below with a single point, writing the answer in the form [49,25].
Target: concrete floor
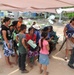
[57,66]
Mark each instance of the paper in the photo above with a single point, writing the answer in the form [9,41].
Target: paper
[32,44]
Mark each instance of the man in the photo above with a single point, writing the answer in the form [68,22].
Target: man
[20,21]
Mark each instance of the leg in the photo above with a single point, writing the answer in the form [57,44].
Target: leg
[29,59]
[15,49]
[16,58]
[8,61]
[23,60]
[23,65]
[40,68]
[35,57]
[66,51]
[19,61]
[45,69]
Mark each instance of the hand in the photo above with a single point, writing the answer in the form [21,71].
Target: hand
[8,44]
[52,37]
[34,41]
[66,36]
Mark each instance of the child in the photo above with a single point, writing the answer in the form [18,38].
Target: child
[22,49]
[44,51]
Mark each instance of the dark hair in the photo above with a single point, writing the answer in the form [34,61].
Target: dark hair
[45,29]
[20,18]
[44,35]
[23,26]
[14,23]
[11,25]
[30,29]
[34,23]
[6,19]
[51,28]
[72,20]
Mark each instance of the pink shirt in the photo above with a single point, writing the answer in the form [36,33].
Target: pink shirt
[44,49]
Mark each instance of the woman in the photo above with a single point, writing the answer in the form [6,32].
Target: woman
[44,51]
[7,41]
[31,54]
[54,39]
[68,32]
[15,32]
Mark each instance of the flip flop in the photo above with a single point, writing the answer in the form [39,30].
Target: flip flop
[41,71]
[47,73]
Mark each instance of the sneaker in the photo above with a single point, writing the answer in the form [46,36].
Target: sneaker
[25,71]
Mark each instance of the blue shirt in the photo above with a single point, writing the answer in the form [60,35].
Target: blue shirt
[37,35]
[70,30]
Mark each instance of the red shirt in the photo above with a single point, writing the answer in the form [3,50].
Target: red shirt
[30,37]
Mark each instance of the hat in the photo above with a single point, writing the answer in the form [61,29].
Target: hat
[73,36]
[36,26]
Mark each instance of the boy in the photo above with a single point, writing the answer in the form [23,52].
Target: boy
[22,49]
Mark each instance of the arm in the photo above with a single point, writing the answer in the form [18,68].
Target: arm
[34,38]
[50,39]
[65,29]
[24,43]
[5,38]
[72,40]
[17,40]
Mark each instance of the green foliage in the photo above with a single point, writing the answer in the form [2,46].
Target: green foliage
[69,15]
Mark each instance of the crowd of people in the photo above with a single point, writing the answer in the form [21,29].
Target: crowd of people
[15,43]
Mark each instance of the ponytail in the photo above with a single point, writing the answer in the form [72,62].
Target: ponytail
[42,43]
[44,35]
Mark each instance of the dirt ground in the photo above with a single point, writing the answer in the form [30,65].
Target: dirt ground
[57,66]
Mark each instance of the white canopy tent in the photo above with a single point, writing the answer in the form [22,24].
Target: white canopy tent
[68,9]
[34,5]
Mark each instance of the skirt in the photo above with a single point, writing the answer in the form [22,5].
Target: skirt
[69,45]
[7,51]
[43,59]
[32,54]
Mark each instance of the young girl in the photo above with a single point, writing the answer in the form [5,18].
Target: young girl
[44,51]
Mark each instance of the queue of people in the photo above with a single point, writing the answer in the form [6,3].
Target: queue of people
[15,43]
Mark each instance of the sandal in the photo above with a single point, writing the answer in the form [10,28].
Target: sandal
[41,71]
